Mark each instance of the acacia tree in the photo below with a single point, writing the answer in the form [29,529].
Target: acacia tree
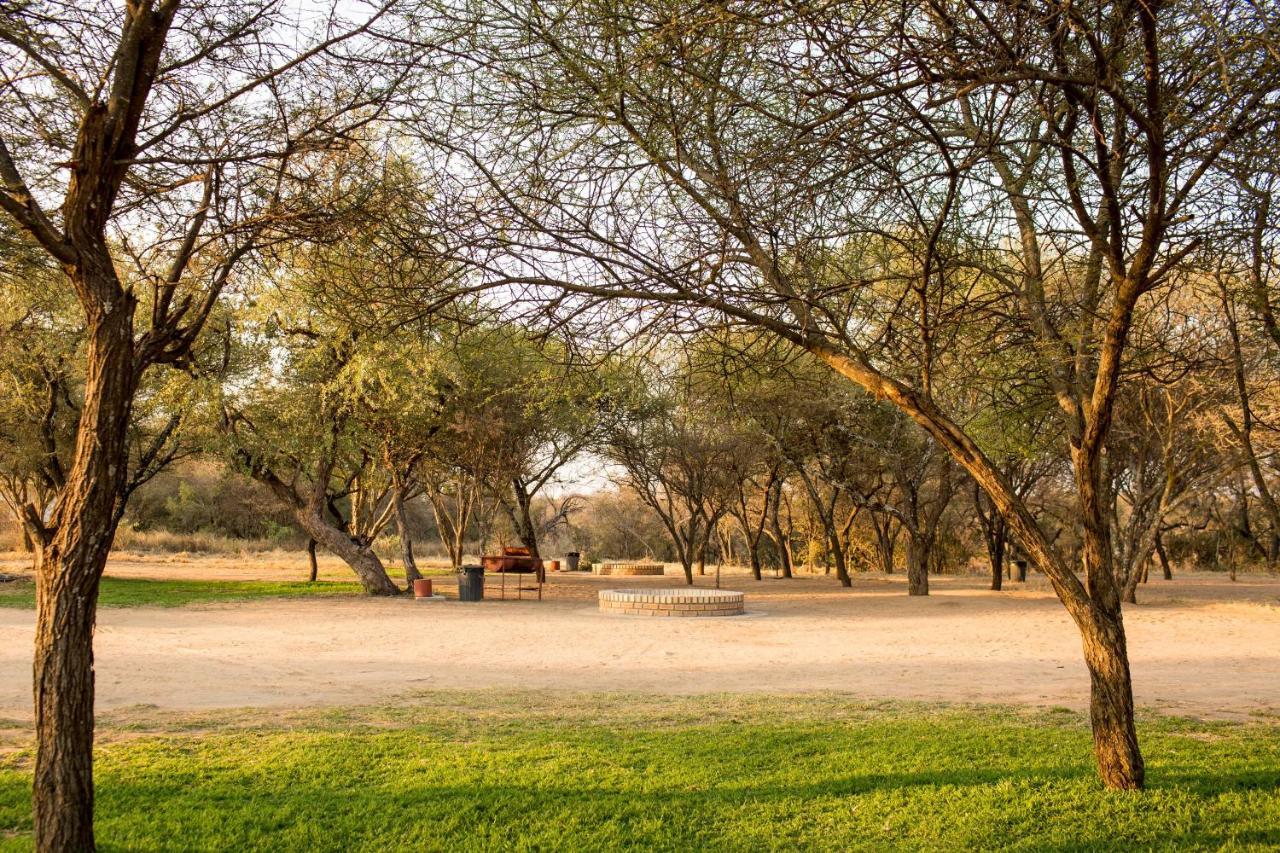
[697,158]
[146,149]
[670,448]
[41,368]
[1160,456]
[544,405]
[332,412]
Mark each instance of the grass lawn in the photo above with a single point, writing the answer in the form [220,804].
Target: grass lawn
[534,771]
[137,592]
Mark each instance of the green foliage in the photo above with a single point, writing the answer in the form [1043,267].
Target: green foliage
[536,771]
[138,592]
[206,497]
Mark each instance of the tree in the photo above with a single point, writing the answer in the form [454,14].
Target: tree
[147,153]
[41,365]
[1161,452]
[670,445]
[544,406]
[928,130]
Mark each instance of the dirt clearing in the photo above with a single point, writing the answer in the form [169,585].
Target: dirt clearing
[1202,645]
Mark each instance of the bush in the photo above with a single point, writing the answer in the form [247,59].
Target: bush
[203,497]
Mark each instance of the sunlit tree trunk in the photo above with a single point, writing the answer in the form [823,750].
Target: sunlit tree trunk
[69,571]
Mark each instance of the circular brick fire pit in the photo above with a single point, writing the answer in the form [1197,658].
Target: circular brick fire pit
[629,569]
[671,602]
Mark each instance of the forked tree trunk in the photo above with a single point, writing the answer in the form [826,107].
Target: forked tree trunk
[782,541]
[684,544]
[411,572]
[885,543]
[70,569]
[842,566]
[522,519]
[1129,592]
[686,564]
[1164,557]
[452,527]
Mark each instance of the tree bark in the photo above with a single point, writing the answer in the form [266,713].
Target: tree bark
[685,554]
[997,561]
[775,525]
[886,544]
[362,560]
[1164,558]
[917,564]
[522,518]
[1115,739]
[70,569]
[1101,624]
[411,572]
[311,560]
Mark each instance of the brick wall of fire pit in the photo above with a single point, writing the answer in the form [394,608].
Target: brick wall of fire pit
[629,569]
[671,602]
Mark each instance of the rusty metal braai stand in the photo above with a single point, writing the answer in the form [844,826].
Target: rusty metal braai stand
[518,562]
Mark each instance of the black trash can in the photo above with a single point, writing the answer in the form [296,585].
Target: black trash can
[571,561]
[471,583]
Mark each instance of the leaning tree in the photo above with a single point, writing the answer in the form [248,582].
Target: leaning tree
[1028,174]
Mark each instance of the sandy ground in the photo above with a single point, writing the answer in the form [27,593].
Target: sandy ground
[1199,645]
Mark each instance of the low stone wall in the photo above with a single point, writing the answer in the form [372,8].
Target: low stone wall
[672,602]
[629,569]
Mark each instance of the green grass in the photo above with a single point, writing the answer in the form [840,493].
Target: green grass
[537,771]
[138,592]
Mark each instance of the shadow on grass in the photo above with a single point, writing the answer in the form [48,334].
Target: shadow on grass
[915,779]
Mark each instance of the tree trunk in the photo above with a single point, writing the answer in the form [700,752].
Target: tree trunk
[311,559]
[523,519]
[1164,558]
[783,542]
[842,567]
[411,572]
[70,569]
[1244,433]
[1101,624]
[686,563]
[917,565]
[362,560]
[997,560]
[1115,739]
[885,543]
[1129,591]
[1095,606]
